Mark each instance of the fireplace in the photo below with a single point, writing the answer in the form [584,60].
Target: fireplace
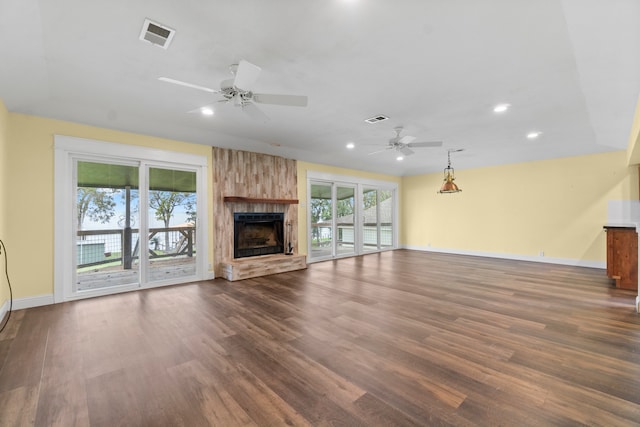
[257,233]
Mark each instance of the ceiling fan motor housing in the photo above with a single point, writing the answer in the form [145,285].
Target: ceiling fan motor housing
[226,84]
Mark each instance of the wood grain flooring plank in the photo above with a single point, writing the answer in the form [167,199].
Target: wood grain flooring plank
[25,358]
[113,400]
[18,406]
[261,403]
[379,413]
[401,390]
[206,396]
[63,404]
[301,392]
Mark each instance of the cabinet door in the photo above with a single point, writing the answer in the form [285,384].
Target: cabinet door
[622,257]
[626,254]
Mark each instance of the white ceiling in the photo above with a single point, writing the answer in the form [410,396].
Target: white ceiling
[570,69]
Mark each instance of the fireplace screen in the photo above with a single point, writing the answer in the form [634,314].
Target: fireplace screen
[258,234]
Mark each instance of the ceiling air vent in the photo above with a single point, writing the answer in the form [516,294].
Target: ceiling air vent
[156,34]
[376,119]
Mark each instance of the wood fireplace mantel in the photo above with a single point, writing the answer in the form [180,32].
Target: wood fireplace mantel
[241,199]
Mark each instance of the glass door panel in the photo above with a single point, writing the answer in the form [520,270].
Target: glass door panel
[385,210]
[370,232]
[106,211]
[321,208]
[172,219]
[345,220]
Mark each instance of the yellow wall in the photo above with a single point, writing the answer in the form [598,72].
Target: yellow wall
[633,149]
[4,118]
[303,167]
[557,206]
[30,191]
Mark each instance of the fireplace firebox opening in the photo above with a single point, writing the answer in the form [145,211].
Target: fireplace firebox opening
[257,234]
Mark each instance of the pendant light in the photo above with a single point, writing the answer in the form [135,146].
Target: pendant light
[448,186]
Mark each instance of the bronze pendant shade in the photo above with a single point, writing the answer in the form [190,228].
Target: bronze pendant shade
[448,186]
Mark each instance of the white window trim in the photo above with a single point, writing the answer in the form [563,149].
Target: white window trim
[66,149]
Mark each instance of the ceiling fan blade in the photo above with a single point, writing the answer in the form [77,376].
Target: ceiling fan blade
[289,100]
[185,84]
[405,150]
[379,151]
[425,144]
[201,110]
[254,112]
[246,75]
[406,139]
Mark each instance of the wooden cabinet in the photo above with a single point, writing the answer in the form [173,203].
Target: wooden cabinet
[622,256]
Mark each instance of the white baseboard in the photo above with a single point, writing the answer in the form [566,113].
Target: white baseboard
[21,303]
[28,302]
[515,257]
[3,310]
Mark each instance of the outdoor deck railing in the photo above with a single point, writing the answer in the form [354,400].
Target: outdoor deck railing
[321,234]
[96,247]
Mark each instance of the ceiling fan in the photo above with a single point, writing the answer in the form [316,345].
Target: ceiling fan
[405,144]
[239,90]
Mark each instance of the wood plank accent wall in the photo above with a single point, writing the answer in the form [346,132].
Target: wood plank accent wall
[250,175]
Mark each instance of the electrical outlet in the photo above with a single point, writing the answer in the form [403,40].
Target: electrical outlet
[541,253]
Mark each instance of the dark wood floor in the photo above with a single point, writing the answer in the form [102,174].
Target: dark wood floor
[398,338]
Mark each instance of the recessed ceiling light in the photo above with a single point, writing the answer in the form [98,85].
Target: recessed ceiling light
[206,111]
[351,145]
[533,135]
[399,158]
[501,108]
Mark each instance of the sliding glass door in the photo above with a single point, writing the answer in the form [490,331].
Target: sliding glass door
[106,213]
[377,228]
[370,232]
[321,230]
[171,210]
[345,220]
[349,219]
[110,247]
[126,218]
